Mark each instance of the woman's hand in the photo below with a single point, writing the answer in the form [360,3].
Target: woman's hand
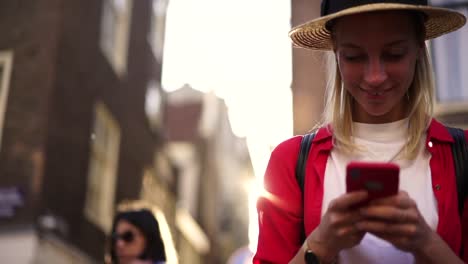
[337,229]
[397,220]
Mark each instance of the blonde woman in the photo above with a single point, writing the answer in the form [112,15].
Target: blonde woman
[379,108]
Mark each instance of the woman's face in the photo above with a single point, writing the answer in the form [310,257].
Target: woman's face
[129,242]
[376,55]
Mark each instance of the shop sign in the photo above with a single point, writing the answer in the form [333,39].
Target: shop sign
[10,199]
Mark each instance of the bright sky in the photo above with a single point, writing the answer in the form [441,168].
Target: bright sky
[241,51]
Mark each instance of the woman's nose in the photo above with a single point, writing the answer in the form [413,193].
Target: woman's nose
[375,73]
[119,243]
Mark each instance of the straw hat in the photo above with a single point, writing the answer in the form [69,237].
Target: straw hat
[315,34]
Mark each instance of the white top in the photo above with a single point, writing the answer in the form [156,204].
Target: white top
[383,143]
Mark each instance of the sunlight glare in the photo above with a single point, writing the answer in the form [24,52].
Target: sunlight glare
[240,50]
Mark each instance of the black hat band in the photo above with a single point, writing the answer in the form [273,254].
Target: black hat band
[333,6]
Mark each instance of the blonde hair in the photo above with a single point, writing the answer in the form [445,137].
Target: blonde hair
[338,106]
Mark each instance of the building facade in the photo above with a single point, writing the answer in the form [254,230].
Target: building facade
[308,73]
[81,114]
[451,68]
[214,166]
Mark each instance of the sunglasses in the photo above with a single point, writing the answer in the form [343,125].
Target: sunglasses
[126,236]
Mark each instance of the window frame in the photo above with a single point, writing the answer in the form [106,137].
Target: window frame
[6,64]
[115,45]
[102,172]
[157,32]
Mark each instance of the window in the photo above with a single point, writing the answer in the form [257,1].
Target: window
[158,26]
[449,58]
[115,31]
[153,104]
[6,61]
[105,140]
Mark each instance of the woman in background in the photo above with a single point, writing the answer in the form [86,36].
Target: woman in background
[136,238]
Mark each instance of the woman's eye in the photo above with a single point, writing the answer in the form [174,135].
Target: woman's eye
[394,56]
[353,58]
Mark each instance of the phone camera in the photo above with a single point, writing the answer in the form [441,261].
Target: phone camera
[355,174]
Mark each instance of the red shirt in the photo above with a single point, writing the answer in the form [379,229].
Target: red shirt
[280,212]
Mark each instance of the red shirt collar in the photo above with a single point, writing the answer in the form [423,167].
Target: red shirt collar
[439,132]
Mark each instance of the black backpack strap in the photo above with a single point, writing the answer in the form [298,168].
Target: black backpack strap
[460,159]
[306,144]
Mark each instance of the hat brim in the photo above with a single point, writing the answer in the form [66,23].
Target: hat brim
[315,35]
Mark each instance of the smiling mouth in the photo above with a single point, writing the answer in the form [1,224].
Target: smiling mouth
[374,93]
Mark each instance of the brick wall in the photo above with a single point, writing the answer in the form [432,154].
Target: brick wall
[30,30]
[59,73]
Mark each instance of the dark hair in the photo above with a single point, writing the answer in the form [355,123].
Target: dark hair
[145,221]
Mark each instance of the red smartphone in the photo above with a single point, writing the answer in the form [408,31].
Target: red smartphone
[377,178]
